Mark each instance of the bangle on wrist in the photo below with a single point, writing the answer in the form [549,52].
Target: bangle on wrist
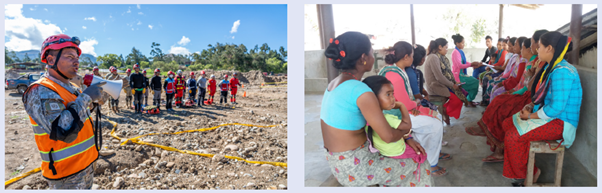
[409,138]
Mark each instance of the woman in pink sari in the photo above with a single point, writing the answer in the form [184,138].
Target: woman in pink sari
[426,123]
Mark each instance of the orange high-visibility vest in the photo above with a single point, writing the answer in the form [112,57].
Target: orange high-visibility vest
[66,158]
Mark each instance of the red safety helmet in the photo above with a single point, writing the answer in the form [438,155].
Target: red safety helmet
[57,42]
[202,72]
[112,69]
[144,72]
[191,73]
[225,76]
[157,70]
[95,69]
[128,70]
[136,66]
[170,72]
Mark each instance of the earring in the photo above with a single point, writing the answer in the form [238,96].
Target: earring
[364,62]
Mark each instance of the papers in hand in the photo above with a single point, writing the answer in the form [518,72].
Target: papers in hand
[490,67]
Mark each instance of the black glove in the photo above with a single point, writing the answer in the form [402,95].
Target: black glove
[95,91]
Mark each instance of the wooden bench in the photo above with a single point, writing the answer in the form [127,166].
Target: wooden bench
[543,147]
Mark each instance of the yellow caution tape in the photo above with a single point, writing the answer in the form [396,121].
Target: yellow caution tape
[138,141]
[22,176]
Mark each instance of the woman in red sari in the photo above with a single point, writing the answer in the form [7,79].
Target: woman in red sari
[491,122]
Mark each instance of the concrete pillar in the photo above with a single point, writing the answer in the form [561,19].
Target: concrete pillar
[326,24]
[412,23]
[499,31]
[575,32]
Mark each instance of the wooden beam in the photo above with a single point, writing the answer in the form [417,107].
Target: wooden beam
[412,23]
[575,32]
[501,21]
[326,24]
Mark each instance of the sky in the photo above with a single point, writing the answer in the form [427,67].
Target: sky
[180,29]
[391,23]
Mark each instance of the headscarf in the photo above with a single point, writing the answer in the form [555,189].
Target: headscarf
[541,84]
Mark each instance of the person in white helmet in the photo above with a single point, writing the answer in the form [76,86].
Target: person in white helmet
[180,87]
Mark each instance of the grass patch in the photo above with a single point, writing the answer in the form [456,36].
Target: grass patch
[15,173]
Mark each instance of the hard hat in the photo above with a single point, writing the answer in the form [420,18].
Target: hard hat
[157,70]
[57,42]
[128,70]
[95,69]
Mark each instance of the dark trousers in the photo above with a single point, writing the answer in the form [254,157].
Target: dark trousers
[138,101]
[477,71]
[114,103]
[169,100]
[201,96]
[192,93]
[223,97]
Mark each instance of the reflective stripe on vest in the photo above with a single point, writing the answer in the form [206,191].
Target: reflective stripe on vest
[67,152]
[66,158]
[170,87]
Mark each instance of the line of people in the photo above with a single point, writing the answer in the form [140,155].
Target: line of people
[532,95]
[137,87]
[535,96]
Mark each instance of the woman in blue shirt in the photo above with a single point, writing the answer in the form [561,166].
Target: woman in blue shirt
[554,113]
[348,105]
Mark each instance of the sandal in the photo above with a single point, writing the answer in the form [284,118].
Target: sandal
[491,159]
[473,132]
[440,169]
[483,103]
[444,156]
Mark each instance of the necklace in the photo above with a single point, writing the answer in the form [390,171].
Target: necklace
[350,74]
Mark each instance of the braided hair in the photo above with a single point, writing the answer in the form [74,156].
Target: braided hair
[558,42]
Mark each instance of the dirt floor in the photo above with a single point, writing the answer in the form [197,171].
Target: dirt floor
[143,167]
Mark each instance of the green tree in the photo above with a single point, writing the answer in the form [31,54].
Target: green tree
[86,62]
[36,60]
[156,52]
[7,57]
[26,58]
[274,65]
[478,31]
[108,60]
[144,65]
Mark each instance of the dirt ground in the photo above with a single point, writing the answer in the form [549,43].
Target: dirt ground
[143,167]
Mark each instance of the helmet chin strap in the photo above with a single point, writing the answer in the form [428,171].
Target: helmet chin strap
[56,63]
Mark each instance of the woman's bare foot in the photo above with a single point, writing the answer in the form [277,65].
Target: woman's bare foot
[495,157]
